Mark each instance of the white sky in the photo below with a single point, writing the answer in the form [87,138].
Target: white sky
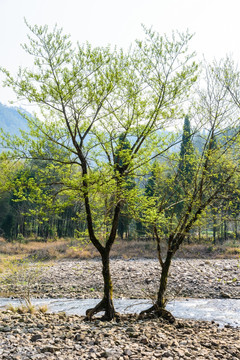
[216,24]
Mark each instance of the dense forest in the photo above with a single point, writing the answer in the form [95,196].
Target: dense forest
[22,219]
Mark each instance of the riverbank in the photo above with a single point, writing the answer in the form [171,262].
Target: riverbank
[61,337]
[139,278]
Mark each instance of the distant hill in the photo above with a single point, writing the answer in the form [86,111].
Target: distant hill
[11,121]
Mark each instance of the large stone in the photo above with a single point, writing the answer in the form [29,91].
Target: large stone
[49,348]
[36,337]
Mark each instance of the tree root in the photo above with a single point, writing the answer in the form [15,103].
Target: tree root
[105,305]
[156,311]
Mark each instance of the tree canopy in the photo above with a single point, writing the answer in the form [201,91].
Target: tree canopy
[99,132]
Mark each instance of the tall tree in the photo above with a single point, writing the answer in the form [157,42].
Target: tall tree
[87,98]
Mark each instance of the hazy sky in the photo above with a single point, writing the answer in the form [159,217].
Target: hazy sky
[215,23]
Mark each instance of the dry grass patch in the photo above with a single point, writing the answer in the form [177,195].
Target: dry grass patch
[30,309]
[134,249]
[73,249]
[37,250]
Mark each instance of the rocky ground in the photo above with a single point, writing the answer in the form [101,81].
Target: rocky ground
[57,336]
[61,337]
[139,278]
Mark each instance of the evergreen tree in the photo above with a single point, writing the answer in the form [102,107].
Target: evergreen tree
[186,162]
[150,191]
[185,169]
[151,183]
[121,157]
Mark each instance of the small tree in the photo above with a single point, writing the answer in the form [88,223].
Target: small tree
[21,279]
[213,176]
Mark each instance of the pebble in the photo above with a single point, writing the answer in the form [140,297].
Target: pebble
[139,278]
[72,338]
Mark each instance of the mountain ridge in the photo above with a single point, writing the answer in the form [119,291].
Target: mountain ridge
[11,120]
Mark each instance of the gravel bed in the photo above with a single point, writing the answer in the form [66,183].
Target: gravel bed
[61,337]
[140,279]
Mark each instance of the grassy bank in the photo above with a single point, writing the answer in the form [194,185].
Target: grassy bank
[72,249]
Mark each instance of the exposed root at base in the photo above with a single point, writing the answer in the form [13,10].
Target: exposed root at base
[155,311]
[106,306]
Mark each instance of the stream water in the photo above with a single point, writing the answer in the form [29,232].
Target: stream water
[222,311]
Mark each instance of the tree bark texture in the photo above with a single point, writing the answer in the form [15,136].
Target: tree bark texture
[106,304]
[158,309]
[161,301]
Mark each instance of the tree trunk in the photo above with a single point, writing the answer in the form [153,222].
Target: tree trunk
[214,233]
[225,230]
[236,230]
[214,228]
[161,301]
[108,288]
[159,307]
[199,234]
[106,304]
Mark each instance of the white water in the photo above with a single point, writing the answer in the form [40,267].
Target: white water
[222,311]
